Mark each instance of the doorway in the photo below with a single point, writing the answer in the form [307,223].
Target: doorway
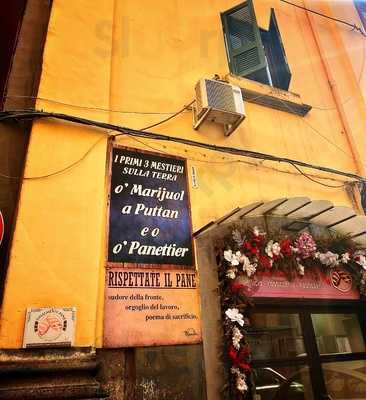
[308,350]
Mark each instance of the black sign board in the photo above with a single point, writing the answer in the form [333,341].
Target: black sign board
[149,213]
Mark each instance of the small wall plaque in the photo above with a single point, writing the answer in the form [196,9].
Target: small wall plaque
[49,327]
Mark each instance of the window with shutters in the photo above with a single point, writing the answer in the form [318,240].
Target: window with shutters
[255,53]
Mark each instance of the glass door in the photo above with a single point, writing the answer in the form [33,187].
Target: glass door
[308,352]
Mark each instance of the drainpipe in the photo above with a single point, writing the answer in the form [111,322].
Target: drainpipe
[337,97]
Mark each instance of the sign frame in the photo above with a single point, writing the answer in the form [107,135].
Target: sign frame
[109,264]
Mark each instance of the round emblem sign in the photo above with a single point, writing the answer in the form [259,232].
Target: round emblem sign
[341,280]
[50,325]
[1,227]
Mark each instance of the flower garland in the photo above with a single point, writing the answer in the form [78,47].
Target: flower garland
[251,254]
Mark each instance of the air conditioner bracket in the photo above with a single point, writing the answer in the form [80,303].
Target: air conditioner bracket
[229,129]
[198,121]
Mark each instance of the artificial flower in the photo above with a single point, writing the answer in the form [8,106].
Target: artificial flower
[241,384]
[237,287]
[266,262]
[286,247]
[273,250]
[329,259]
[232,258]
[248,267]
[268,249]
[234,315]
[300,269]
[238,237]
[306,246]
[250,249]
[258,232]
[240,358]
[231,273]
[359,258]
[237,336]
[345,257]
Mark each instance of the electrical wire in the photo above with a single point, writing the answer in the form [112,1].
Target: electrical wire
[358,81]
[23,115]
[314,180]
[317,131]
[58,172]
[168,118]
[240,162]
[87,107]
[353,26]
[360,74]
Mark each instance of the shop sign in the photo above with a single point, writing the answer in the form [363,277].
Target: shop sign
[151,292]
[2,227]
[151,307]
[48,327]
[149,213]
[336,284]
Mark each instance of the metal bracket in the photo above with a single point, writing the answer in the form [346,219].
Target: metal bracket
[229,129]
[197,122]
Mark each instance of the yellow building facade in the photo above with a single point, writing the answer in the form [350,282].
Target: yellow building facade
[133,64]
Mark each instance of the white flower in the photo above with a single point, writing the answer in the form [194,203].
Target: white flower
[294,249]
[250,269]
[345,258]
[247,266]
[234,315]
[268,249]
[301,269]
[257,231]
[273,248]
[276,249]
[231,257]
[329,259]
[241,384]
[235,370]
[230,273]
[237,336]
[360,259]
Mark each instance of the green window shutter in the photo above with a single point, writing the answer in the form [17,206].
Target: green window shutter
[280,70]
[242,40]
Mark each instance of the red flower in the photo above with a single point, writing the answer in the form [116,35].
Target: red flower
[286,249]
[244,352]
[240,358]
[250,248]
[266,262]
[258,240]
[237,287]
[244,366]
[233,354]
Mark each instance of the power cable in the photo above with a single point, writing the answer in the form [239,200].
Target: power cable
[87,107]
[353,26]
[168,118]
[69,167]
[359,75]
[314,180]
[316,130]
[239,162]
[21,115]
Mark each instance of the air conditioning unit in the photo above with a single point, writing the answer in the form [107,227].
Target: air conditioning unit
[218,102]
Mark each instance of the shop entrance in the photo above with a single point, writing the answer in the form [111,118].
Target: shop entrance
[308,350]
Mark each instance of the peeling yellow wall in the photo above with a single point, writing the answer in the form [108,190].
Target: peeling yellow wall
[145,57]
